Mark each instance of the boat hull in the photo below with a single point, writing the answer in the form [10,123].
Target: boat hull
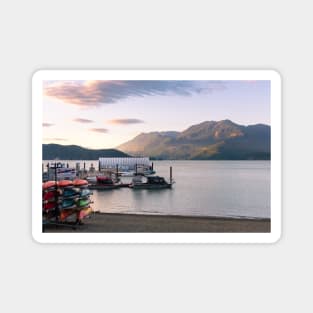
[150,186]
[103,187]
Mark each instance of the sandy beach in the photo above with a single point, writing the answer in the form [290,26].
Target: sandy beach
[133,223]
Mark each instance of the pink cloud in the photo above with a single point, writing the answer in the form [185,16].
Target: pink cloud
[125,121]
[55,139]
[98,92]
[82,120]
[99,130]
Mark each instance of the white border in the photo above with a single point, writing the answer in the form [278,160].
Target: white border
[37,100]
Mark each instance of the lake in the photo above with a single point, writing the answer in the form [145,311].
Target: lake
[202,188]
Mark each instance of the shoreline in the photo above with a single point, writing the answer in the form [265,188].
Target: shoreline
[156,223]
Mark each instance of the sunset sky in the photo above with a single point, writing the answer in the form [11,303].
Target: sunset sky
[104,114]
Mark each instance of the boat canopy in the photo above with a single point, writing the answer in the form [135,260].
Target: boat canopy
[124,163]
[156,180]
[104,180]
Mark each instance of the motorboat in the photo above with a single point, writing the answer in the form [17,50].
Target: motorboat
[150,182]
[103,183]
[131,173]
[59,171]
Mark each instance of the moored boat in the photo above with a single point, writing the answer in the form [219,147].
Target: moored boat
[147,171]
[60,171]
[104,183]
[152,182]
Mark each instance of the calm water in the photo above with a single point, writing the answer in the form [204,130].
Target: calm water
[210,188]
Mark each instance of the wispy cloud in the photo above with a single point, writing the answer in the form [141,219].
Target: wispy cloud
[47,124]
[82,120]
[99,130]
[125,121]
[55,139]
[97,92]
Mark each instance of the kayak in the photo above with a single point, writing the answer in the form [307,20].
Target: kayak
[82,202]
[49,206]
[85,192]
[83,213]
[49,184]
[68,203]
[65,183]
[70,192]
[50,195]
[69,199]
[80,182]
[66,213]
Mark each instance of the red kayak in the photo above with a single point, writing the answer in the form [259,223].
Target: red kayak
[84,212]
[49,206]
[66,213]
[49,184]
[50,195]
[80,182]
[65,183]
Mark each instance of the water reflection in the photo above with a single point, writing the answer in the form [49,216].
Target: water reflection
[219,188]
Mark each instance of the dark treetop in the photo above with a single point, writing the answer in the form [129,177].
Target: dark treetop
[55,151]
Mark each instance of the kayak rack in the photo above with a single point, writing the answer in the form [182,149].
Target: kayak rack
[65,203]
[67,224]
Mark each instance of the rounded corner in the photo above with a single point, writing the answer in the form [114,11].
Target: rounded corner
[36,238]
[37,75]
[276,74]
[276,238]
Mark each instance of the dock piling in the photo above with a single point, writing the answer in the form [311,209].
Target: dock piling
[171,174]
[55,173]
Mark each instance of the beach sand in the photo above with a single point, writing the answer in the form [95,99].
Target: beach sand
[134,223]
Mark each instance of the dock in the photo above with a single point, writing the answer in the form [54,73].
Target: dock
[137,223]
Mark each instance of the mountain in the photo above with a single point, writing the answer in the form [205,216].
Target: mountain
[54,151]
[216,140]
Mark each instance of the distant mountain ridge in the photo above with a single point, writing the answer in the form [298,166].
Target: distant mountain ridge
[72,152]
[209,140]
